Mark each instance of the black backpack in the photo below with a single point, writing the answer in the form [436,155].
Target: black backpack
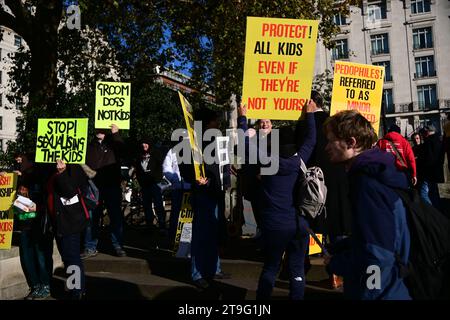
[427,275]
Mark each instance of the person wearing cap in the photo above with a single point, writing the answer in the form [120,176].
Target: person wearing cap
[282,230]
[396,144]
[103,156]
[149,173]
[431,166]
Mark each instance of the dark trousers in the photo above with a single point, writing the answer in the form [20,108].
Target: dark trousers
[70,254]
[111,198]
[36,258]
[152,195]
[176,201]
[295,243]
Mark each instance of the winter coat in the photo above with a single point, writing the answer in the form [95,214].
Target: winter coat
[404,149]
[104,158]
[431,159]
[70,217]
[152,173]
[379,230]
[277,192]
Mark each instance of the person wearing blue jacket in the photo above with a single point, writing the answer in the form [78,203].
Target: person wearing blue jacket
[282,229]
[370,259]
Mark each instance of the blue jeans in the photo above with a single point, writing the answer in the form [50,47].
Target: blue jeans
[429,192]
[111,198]
[70,247]
[276,242]
[205,261]
[36,259]
[152,195]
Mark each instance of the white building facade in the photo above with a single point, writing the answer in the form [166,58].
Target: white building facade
[411,38]
[9,112]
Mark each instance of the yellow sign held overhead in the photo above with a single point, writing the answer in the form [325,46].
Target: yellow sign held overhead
[112,104]
[64,139]
[278,67]
[197,154]
[358,87]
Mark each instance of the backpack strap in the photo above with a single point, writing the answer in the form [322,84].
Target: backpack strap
[397,153]
[86,211]
[303,166]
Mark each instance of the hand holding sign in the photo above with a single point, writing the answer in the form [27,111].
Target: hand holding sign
[202,181]
[311,106]
[114,128]
[242,110]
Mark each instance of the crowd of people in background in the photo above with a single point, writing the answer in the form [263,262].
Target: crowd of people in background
[364,222]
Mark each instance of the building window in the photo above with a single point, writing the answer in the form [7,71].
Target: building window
[420,6]
[427,96]
[340,50]
[376,10]
[380,43]
[1,78]
[425,67]
[1,145]
[1,123]
[19,103]
[17,41]
[339,19]
[18,124]
[388,101]
[422,38]
[387,69]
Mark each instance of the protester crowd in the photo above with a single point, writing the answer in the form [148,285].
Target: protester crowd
[364,222]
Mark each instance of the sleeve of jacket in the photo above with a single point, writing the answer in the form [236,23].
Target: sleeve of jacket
[117,144]
[410,158]
[373,241]
[309,143]
[64,185]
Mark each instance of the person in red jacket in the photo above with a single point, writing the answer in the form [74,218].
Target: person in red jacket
[405,160]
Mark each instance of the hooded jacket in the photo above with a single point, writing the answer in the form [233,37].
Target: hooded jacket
[104,158]
[379,230]
[277,192]
[404,149]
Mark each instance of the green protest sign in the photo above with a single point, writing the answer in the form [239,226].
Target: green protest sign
[64,139]
[112,104]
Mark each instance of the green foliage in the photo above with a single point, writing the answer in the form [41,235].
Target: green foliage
[211,34]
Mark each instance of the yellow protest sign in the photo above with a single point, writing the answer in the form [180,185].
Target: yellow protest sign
[8,184]
[64,139]
[185,217]
[6,229]
[314,248]
[358,87]
[112,104]
[196,150]
[278,67]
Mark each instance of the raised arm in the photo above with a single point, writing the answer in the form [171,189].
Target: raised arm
[307,147]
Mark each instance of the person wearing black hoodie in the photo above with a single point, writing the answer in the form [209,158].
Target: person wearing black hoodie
[103,156]
[70,213]
[282,229]
[380,235]
[149,173]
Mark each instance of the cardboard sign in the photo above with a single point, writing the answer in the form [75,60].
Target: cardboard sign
[6,229]
[184,226]
[112,104]
[314,248]
[278,67]
[8,186]
[197,154]
[358,87]
[64,139]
